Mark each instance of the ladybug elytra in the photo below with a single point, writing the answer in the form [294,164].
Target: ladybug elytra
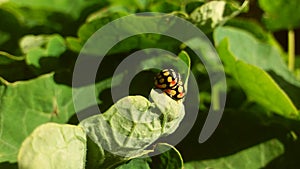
[170,83]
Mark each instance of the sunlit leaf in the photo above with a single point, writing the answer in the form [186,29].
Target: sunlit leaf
[26,105]
[258,84]
[254,157]
[54,146]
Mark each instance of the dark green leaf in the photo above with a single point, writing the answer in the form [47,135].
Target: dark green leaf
[169,159]
[137,163]
[280,14]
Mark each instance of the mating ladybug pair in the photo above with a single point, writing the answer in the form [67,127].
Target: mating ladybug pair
[170,83]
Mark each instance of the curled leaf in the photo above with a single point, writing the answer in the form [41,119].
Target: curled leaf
[133,123]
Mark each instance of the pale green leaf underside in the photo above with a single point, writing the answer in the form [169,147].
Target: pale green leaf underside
[133,123]
[54,146]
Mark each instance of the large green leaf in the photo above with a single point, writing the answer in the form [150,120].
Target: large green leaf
[246,47]
[54,146]
[43,17]
[252,158]
[280,14]
[134,27]
[266,55]
[27,104]
[256,30]
[133,123]
[258,84]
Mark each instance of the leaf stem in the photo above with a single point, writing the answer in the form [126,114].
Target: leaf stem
[291,49]
[215,97]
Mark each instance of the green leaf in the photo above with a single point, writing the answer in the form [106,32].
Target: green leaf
[10,28]
[40,46]
[54,146]
[27,104]
[258,84]
[88,29]
[249,25]
[280,14]
[74,44]
[252,158]
[265,55]
[133,123]
[164,6]
[134,27]
[131,5]
[214,13]
[80,92]
[256,30]
[69,7]
[4,37]
[172,111]
[181,63]
[95,155]
[137,163]
[169,159]
[247,48]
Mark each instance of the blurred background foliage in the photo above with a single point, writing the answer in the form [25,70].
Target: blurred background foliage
[257,40]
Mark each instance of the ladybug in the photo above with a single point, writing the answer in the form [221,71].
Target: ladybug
[177,93]
[170,83]
[166,79]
